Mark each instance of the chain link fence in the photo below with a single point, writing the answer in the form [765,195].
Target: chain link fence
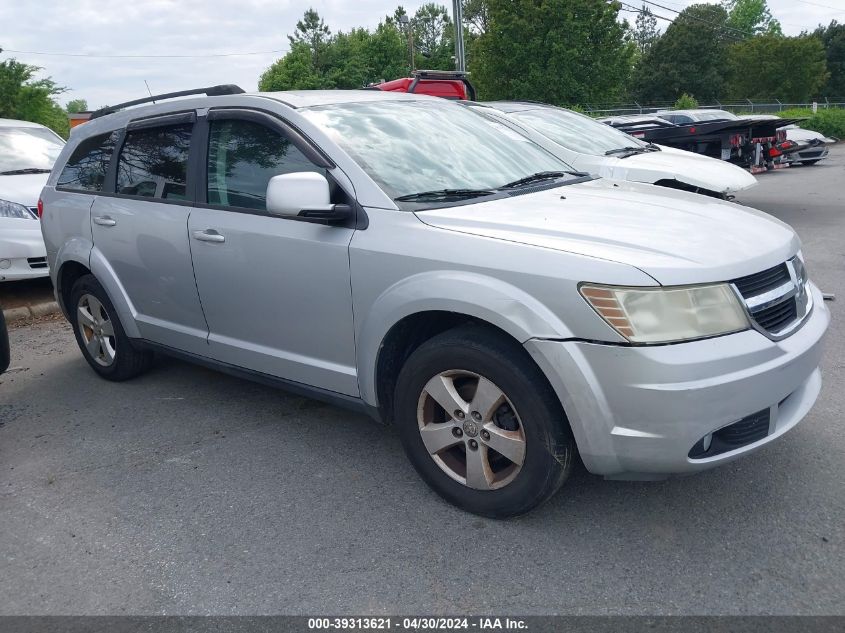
[742,106]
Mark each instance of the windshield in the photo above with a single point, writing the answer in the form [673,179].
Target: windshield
[28,148]
[409,147]
[575,131]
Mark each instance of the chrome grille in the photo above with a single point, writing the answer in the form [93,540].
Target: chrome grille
[777,299]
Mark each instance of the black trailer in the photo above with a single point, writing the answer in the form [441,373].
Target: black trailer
[749,142]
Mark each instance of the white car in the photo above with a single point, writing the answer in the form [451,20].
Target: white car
[594,147]
[27,153]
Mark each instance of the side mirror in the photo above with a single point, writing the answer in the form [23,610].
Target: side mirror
[304,196]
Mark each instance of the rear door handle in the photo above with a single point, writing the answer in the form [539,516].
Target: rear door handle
[104,220]
[209,235]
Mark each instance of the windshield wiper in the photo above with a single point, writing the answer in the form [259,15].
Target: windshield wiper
[444,194]
[625,150]
[21,172]
[538,177]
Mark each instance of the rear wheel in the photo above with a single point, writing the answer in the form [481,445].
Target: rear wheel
[100,335]
[480,423]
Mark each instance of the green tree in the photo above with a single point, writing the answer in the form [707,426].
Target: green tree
[28,99]
[750,17]
[789,68]
[476,16]
[833,38]
[76,105]
[691,57]
[312,32]
[557,51]
[686,102]
[434,37]
[645,32]
[294,71]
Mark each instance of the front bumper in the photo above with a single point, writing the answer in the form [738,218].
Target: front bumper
[19,268]
[636,412]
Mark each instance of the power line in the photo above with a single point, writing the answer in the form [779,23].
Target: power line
[723,26]
[633,9]
[104,56]
[824,6]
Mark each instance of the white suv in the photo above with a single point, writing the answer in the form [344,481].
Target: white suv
[402,255]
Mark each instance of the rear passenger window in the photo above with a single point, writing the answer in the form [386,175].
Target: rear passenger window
[154,162]
[242,157]
[86,168]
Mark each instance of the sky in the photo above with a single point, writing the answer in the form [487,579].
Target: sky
[217,32]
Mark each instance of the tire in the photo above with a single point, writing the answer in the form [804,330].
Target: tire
[810,162]
[527,409]
[100,335]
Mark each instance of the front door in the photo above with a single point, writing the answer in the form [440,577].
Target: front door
[275,292]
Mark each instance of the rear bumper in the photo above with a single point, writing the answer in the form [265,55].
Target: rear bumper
[637,412]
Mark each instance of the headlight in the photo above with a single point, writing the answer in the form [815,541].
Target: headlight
[14,210]
[665,315]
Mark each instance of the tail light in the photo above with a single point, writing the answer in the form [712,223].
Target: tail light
[40,208]
[774,152]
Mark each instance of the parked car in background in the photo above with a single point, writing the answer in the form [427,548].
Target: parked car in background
[402,256]
[27,154]
[594,147]
[682,117]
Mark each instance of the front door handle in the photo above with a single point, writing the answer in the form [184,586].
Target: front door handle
[209,235]
[104,220]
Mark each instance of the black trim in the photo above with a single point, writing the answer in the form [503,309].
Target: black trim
[351,403]
[211,91]
[302,143]
[110,183]
[176,118]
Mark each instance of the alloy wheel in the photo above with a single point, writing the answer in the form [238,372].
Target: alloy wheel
[471,429]
[96,329]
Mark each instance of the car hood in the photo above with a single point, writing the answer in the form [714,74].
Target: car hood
[24,189]
[674,236]
[20,238]
[687,167]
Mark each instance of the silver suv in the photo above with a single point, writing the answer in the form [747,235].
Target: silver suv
[401,255]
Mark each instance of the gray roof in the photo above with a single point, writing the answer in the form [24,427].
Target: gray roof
[307,98]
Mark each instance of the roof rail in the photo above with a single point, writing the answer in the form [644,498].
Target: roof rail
[211,91]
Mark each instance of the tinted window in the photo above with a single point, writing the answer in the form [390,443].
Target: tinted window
[242,157]
[154,162]
[86,169]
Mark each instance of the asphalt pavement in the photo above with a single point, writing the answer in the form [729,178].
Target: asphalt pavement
[191,492]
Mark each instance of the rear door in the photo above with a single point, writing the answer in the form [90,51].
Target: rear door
[276,292]
[140,231]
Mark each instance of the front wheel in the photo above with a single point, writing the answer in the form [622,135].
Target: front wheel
[480,423]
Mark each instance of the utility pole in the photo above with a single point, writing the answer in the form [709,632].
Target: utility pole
[460,55]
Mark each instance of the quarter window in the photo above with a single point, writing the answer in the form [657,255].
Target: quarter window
[154,162]
[87,166]
[242,157]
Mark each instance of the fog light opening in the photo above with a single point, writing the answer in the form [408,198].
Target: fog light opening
[5,263]
[706,441]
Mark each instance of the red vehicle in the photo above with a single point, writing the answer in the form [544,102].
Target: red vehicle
[447,84]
